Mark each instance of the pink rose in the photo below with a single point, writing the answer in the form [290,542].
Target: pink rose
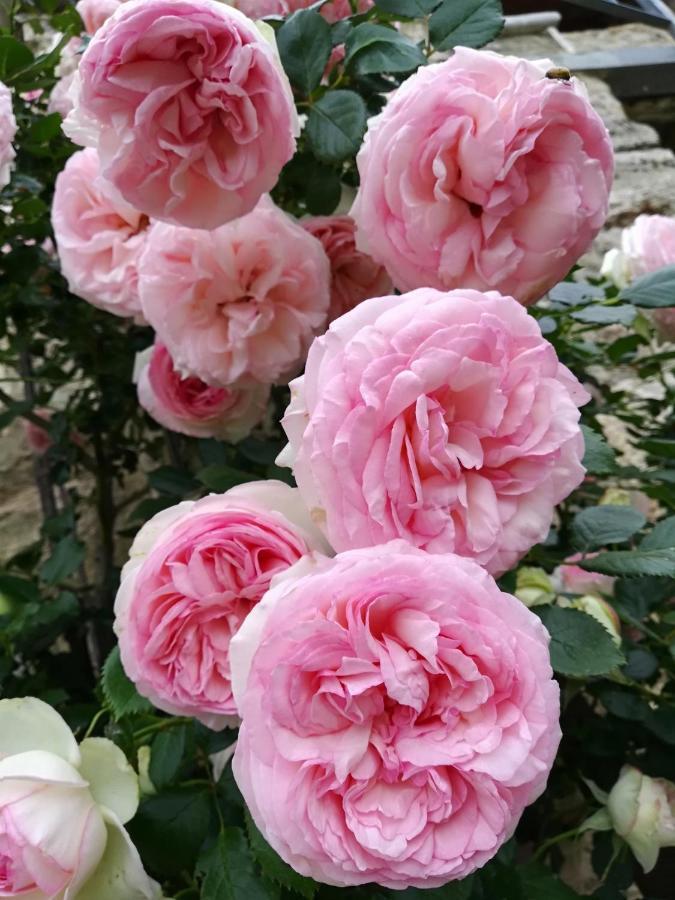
[99,237]
[575,580]
[391,733]
[332,11]
[39,439]
[190,406]
[443,419]
[243,300]
[189,107]
[354,275]
[195,572]
[648,245]
[7,134]
[61,97]
[95,12]
[482,173]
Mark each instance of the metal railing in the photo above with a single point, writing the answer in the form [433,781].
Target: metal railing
[652,12]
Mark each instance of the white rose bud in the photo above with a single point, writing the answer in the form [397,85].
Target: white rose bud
[534,587]
[642,811]
[62,812]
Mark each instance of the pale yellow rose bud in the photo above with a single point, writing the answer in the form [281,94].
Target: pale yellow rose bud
[534,587]
[642,811]
[595,606]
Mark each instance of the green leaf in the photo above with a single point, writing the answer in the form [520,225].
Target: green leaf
[222,478]
[169,829]
[274,867]
[336,125]
[323,190]
[658,447]
[640,664]
[19,588]
[599,458]
[67,556]
[654,290]
[37,624]
[304,44]
[410,9]
[598,821]
[374,48]
[453,890]
[44,129]
[661,537]
[466,23]
[605,315]
[633,563]
[166,755]
[661,722]
[624,704]
[580,646]
[149,507]
[597,526]
[539,883]
[14,56]
[575,293]
[229,872]
[168,480]
[120,693]
[635,597]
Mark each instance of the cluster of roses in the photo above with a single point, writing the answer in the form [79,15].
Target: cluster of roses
[397,709]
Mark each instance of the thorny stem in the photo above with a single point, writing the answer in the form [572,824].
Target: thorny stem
[40,463]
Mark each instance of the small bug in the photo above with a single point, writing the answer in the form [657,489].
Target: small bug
[560,74]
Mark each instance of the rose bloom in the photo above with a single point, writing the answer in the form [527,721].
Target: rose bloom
[332,11]
[95,12]
[190,406]
[60,99]
[354,275]
[189,107]
[99,237]
[39,439]
[642,811]
[572,579]
[647,245]
[445,419]
[195,572]
[596,606]
[243,300]
[63,810]
[481,172]
[7,133]
[399,712]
